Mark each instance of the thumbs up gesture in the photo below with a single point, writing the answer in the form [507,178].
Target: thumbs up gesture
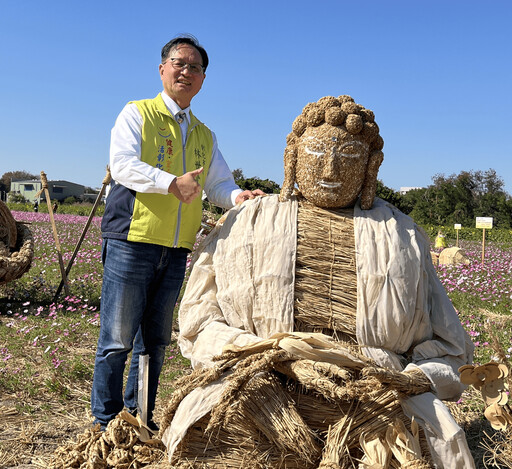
[186,188]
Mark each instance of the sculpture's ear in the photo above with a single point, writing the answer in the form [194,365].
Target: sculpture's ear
[370,180]
[290,162]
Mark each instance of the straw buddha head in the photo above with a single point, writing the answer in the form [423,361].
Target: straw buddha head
[333,154]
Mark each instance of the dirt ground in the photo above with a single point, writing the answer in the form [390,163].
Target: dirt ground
[28,440]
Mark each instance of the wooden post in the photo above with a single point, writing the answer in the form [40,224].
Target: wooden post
[457,227]
[483,247]
[483,222]
[106,182]
[44,183]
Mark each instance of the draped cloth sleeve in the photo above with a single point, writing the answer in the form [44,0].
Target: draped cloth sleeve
[405,320]
[240,289]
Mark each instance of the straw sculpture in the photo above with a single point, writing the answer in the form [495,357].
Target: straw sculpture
[453,256]
[293,401]
[16,247]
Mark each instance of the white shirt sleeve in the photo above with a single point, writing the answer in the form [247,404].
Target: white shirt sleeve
[127,168]
[220,186]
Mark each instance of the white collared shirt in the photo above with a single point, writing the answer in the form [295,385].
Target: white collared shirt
[127,168]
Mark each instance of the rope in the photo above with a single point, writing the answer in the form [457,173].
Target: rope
[44,184]
[13,235]
[8,232]
[107,178]
[331,273]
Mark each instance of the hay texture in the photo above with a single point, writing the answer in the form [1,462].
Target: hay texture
[325,272]
[297,400]
[453,256]
[124,444]
[333,153]
[16,247]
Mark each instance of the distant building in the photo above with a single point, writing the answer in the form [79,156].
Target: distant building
[404,190]
[59,190]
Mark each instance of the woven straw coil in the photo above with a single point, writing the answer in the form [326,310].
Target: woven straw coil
[16,247]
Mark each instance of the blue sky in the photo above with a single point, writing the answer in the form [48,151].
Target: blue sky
[436,73]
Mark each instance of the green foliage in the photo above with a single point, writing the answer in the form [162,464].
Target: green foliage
[251,184]
[266,185]
[212,210]
[460,199]
[17,199]
[497,235]
[82,209]
[389,195]
[70,200]
[79,370]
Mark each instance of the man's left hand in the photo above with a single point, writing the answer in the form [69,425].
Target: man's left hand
[246,195]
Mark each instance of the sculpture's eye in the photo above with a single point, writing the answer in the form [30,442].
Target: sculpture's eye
[351,150]
[315,150]
[314,146]
[354,149]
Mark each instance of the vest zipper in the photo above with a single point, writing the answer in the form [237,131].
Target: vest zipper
[184,160]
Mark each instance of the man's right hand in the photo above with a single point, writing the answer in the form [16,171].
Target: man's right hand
[185,188]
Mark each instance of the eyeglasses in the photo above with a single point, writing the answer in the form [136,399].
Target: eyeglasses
[178,64]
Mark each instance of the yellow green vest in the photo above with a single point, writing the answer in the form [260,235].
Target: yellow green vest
[163,219]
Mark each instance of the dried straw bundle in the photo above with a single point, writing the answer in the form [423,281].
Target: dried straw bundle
[498,449]
[8,232]
[282,410]
[325,272]
[15,262]
[120,446]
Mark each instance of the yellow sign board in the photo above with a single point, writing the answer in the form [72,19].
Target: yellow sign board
[484,222]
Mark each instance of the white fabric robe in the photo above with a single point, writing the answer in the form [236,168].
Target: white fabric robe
[241,291]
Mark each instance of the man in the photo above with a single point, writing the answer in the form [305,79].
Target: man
[161,159]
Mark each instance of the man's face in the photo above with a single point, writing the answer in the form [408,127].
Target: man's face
[182,85]
[331,166]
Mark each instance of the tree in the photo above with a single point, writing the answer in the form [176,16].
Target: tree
[492,200]
[460,199]
[411,198]
[266,185]
[238,174]
[389,195]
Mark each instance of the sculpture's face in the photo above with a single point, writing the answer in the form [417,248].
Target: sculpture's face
[331,166]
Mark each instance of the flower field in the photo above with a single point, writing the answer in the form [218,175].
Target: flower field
[47,345]
[482,294]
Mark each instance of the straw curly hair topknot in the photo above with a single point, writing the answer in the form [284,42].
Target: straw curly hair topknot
[339,112]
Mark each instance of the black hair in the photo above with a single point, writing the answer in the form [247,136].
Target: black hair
[191,41]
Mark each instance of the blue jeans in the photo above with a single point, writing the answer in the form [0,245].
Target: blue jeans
[141,283]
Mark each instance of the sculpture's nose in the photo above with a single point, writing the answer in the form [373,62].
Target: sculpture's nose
[330,164]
